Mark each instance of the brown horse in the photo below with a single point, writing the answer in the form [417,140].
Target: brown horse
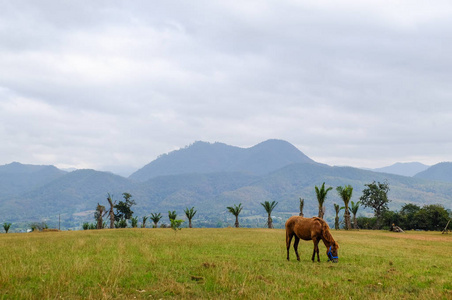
[314,229]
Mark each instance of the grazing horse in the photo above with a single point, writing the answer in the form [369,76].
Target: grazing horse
[314,229]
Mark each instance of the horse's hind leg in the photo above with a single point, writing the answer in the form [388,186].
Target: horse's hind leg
[288,241]
[295,246]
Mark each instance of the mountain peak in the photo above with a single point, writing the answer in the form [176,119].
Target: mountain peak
[204,157]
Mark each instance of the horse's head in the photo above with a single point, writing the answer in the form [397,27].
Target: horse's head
[332,253]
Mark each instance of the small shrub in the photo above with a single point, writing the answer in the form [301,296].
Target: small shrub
[175,224]
[85,226]
[122,223]
[38,226]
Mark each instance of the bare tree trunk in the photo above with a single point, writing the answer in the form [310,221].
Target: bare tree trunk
[270,222]
[100,210]
[189,223]
[321,212]
[237,222]
[348,224]
[355,222]
[378,222]
[112,213]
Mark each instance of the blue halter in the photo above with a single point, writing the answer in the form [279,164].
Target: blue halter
[330,255]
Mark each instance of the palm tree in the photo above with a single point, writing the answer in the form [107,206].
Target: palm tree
[172,215]
[321,196]
[301,207]
[345,193]
[355,207]
[336,220]
[235,211]
[6,226]
[155,218]
[190,213]
[143,225]
[134,221]
[269,208]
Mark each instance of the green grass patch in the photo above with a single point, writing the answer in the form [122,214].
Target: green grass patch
[222,263]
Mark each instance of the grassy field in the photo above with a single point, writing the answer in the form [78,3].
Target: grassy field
[222,264]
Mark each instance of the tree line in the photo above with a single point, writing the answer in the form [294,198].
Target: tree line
[375,196]
[120,213]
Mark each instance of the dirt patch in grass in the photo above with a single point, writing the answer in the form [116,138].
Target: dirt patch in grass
[426,237]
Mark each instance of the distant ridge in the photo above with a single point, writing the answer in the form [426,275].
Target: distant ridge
[18,168]
[405,169]
[438,172]
[18,178]
[203,157]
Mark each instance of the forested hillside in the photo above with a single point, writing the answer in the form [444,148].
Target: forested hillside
[74,195]
[439,172]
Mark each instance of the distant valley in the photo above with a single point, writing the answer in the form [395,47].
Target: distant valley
[209,177]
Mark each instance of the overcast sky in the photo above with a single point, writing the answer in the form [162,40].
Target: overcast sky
[111,85]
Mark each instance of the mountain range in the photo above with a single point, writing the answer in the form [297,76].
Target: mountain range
[208,177]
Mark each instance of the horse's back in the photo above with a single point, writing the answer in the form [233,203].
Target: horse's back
[303,228]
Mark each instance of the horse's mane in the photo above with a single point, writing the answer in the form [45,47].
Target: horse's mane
[326,231]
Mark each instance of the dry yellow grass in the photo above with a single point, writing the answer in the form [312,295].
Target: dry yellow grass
[221,263]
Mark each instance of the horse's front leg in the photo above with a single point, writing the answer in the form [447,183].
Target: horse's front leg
[316,250]
[295,246]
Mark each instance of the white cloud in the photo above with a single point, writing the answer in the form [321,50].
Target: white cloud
[111,85]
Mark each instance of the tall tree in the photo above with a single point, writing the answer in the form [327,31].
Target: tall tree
[235,211]
[301,207]
[355,207]
[375,196]
[155,217]
[345,193]
[111,211]
[269,208]
[123,208]
[321,196]
[190,213]
[336,220]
